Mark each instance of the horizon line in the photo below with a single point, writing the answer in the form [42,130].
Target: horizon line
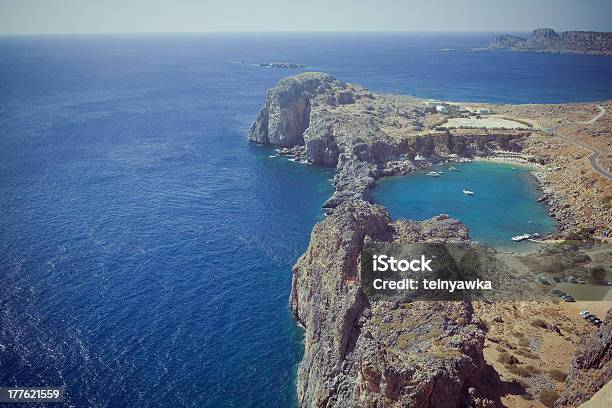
[277,31]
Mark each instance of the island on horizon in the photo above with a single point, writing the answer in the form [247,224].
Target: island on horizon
[548,40]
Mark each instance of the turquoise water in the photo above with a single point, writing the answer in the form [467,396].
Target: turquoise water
[146,248]
[504,203]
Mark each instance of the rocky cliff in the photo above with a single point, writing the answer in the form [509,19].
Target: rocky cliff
[420,354]
[318,118]
[547,40]
[356,353]
[591,368]
[385,353]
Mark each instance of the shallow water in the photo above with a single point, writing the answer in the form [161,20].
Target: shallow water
[504,203]
[146,247]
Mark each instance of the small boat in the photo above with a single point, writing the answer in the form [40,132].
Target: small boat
[433,174]
[522,237]
[468,192]
[451,168]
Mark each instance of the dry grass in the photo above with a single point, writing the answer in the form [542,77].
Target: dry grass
[523,371]
[557,375]
[523,342]
[539,323]
[548,398]
[507,358]
[527,353]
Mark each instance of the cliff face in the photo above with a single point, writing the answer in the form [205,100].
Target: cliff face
[546,39]
[356,353]
[326,118]
[286,115]
[384,353]
[591,368]
[421,354]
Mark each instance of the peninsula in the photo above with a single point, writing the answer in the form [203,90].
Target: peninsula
[548,40]
[431,354]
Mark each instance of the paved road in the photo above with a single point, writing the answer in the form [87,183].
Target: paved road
[595,153]
[602,111]
[593,158]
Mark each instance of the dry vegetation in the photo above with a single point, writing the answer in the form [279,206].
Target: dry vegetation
[531,344]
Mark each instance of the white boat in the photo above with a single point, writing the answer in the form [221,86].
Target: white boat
[433,174]
[468,192]
[519,238]
[451,168]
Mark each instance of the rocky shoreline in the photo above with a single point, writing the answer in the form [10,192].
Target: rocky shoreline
[387,354]
[548,40]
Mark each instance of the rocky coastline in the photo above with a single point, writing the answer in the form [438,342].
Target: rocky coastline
[315,118]
[548,40]
[387,354]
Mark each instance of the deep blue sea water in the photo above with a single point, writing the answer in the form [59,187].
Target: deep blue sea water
[145,247]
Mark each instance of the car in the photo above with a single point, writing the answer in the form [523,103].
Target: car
[580,281]
[570,299]
[557,279]
[585,313]
[543,280]
[591,318]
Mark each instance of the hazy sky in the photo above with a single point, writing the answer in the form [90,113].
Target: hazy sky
[95,16]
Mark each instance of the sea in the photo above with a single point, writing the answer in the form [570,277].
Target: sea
[146,248]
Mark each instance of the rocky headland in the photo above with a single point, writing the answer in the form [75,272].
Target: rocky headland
[380,354]
[548,40]
[327,122]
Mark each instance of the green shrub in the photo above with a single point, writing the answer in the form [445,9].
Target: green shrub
[598,273]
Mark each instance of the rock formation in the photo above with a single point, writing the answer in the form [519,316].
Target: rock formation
[329,117]
[591,368]
[382,353]
[421,354]
[547,40]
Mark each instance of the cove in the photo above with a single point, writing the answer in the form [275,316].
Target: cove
[504,203]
